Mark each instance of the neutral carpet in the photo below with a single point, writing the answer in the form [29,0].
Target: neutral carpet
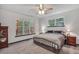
[28,47]
[24,47]
[67,49]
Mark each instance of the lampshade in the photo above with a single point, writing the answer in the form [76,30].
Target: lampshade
[43,29]
[41,12]
[68,29]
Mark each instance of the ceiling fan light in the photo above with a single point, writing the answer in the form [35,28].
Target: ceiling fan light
[42,12]
[43,9]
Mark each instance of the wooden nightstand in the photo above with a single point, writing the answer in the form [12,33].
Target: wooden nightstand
[71,40]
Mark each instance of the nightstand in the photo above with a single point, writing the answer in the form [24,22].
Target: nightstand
[71,40]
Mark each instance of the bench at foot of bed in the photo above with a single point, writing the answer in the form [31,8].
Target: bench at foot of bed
[47,47]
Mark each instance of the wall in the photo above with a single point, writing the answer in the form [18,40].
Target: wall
[71,19]
[8,18]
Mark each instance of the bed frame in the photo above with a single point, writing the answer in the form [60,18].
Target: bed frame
[47,47]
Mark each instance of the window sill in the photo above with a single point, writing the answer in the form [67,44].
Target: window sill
[24,35]
[55,26]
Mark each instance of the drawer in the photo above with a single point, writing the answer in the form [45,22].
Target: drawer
[3,45]
[4,40]
[72,40]
[72,44]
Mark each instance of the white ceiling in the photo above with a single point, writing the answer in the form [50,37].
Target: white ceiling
[30,9]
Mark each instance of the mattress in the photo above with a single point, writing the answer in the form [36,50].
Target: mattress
[50,39]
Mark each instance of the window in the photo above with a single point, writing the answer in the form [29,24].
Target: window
[24,27]
[60,22]
[51,23]
[56,22]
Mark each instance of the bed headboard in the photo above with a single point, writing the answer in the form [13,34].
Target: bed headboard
[56,29]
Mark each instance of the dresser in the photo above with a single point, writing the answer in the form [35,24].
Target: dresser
[71,40]
[4,36]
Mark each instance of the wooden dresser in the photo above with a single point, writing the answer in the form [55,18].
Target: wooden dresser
[71,40]
[4,38]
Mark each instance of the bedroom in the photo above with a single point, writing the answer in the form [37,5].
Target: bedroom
[10,15]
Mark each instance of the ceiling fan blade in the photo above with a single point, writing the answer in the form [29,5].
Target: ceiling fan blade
[42,7]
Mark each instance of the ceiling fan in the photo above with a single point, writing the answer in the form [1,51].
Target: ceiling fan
[43,9]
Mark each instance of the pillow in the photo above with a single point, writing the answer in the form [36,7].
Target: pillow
[57,32]
[60,32]
[51,31]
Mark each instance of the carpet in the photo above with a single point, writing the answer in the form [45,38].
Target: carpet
[28,47]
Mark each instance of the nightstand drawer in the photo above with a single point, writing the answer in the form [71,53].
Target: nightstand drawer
[71,43]
[71,40]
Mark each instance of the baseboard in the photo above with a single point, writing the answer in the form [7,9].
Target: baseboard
[20,41]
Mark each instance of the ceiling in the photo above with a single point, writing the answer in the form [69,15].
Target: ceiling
[30,9]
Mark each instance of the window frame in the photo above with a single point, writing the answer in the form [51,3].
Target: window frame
[23,29]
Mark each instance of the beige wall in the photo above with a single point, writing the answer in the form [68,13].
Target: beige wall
[8,18]
[71,19]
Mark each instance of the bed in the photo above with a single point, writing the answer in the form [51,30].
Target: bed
[51,41]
